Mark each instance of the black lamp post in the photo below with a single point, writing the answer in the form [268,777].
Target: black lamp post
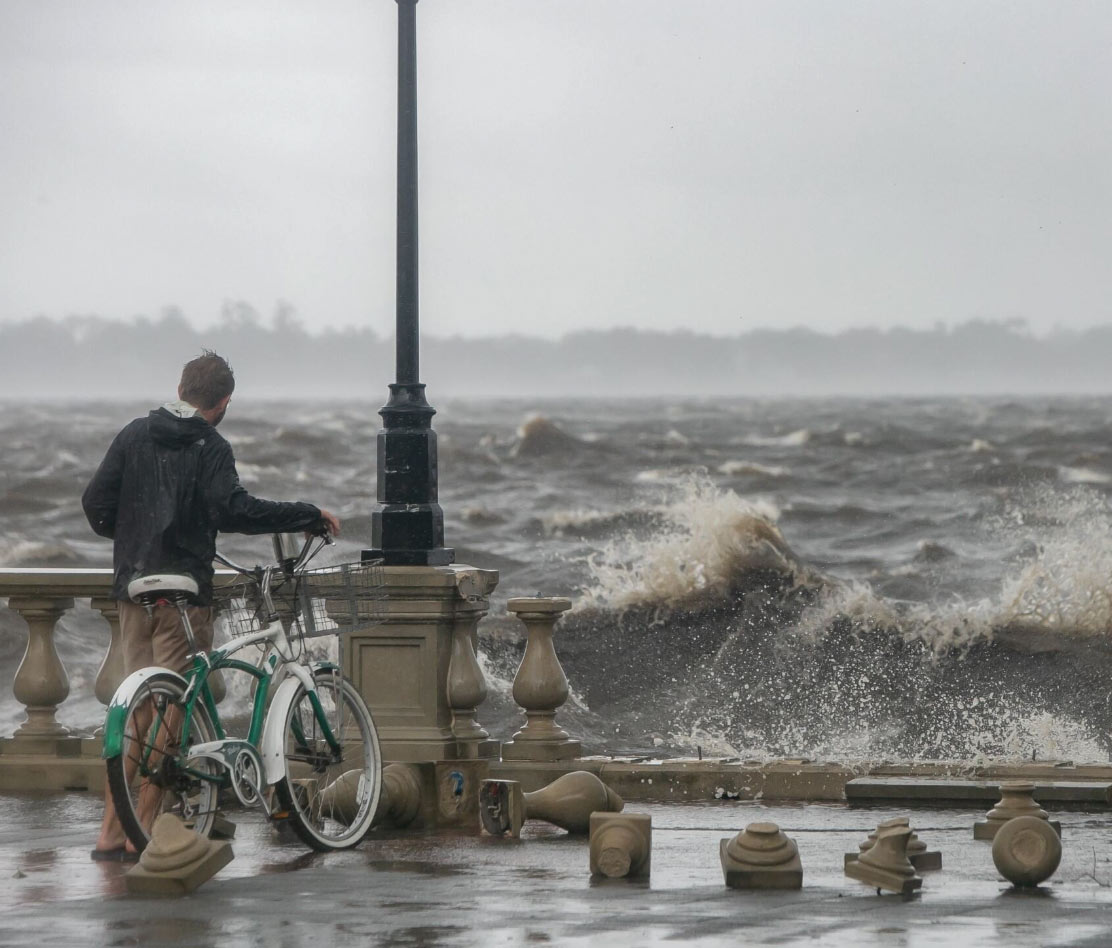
[407,529]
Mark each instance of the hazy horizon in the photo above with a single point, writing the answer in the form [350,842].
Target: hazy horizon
[97,357]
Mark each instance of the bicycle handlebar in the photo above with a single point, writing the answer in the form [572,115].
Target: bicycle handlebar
[286,564]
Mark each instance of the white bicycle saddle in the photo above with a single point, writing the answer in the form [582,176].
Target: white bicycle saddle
[161,584]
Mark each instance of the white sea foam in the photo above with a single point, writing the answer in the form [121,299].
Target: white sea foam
[1083,475]
[990,728]
[954,626]
[659,475]
[708,539]
[708,743]
[62,460]
[254,473]
[980,446]
[1066,589]
[677,438]
[795,439]
[734,468]
[17,551]
[481,514]
[495,682]
[581,522]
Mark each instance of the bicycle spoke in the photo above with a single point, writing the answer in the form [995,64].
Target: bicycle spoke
[331,792]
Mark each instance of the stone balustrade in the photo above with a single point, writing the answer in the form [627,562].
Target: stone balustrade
[417,669]
[41,597]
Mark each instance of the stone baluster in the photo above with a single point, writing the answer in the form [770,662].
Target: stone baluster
[41,682]
[467,689]
[540,686]
[567,802]
[111,672]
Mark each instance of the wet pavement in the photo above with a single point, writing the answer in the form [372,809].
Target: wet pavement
[447,889]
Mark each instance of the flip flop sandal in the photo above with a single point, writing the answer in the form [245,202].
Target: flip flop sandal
[113,855]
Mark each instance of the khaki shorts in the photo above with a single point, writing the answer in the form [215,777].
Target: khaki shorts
[158,638]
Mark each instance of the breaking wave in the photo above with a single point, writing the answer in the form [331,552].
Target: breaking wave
[739,646]
[708,539]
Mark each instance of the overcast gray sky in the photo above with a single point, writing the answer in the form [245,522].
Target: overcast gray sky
[719,165]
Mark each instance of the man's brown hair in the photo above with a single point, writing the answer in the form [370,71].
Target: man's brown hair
[206,380]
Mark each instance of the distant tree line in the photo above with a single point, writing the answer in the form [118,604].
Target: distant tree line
[95,357]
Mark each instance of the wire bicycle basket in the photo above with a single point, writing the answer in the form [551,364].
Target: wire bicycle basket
[338,599]
[331,600]
[239,605]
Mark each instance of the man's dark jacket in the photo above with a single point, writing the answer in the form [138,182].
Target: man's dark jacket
[166,486]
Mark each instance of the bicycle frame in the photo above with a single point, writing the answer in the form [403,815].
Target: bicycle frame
[310,730]
[269,674]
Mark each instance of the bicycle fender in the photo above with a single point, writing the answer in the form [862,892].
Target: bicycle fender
[273,743]
[117,707]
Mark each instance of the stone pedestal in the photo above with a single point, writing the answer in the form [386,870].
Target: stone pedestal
[917,853]
[540,686]
[415,669]
[176,860]
[456,788]
[621,845]
[761,857]
[885,865]
[1017,798]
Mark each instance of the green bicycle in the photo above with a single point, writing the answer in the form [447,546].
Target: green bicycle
[311,755]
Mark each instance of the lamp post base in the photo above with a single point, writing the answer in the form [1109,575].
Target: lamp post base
[442,556]
[407,529]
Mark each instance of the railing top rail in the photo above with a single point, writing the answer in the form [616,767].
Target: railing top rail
[16,571]
[49,582]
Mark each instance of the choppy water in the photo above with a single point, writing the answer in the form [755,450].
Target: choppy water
[917,578]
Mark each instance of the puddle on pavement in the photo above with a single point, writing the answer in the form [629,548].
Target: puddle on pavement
[1034,892]
[422,936]
[539,872]
[304,861]
[404,906]
[421,867]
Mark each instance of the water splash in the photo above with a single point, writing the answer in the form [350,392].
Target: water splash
[736,646]
[1068,587]
[708,538]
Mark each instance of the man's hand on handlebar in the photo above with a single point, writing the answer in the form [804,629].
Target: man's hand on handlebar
[331,522]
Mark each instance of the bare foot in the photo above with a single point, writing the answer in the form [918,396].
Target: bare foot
[109,840]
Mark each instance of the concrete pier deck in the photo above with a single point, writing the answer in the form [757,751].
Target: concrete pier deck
[439,889]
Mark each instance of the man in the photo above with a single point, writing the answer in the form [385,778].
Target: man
[165,488]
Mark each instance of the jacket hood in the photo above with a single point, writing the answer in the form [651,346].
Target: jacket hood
[177,425]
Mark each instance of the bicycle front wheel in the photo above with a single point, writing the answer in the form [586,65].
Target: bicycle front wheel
[331,795]
[149,776]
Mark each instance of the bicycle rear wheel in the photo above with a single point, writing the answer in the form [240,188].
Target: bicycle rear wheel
[330,797]
[149,775]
